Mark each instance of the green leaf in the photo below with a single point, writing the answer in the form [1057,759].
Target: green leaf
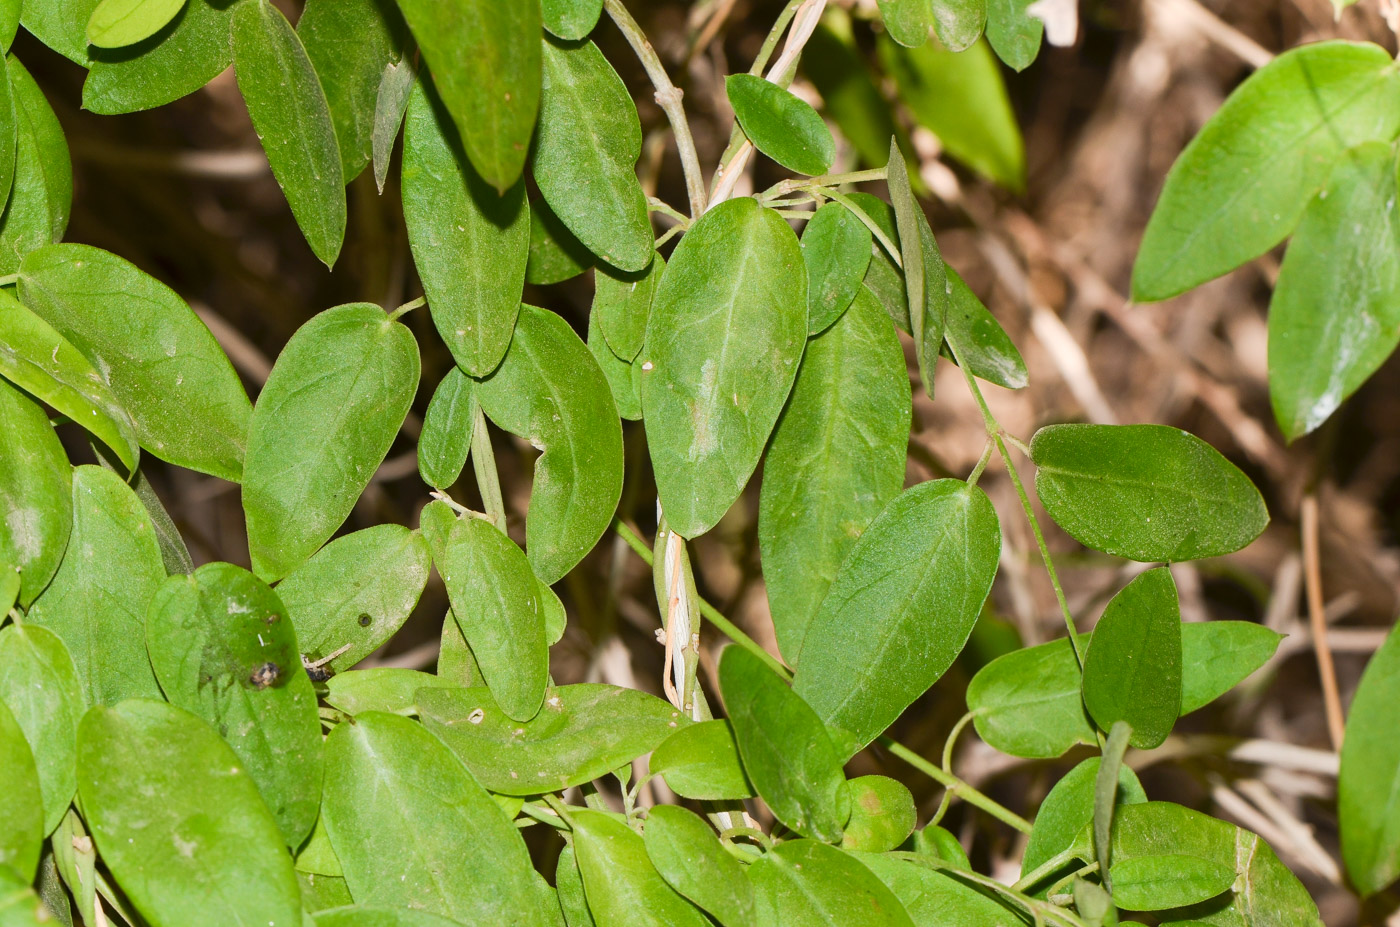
[223,648]
[455,661]
[1013,33]
[925,277]
[36,358]
[1335,313]
[1145,492]
[413,829]
[1266,894]
[350,43]
[586,152]
[960,97]
[1165,855]
[469,244]
[901,608]
[1368,789]
[61,25]
[936,897]
[36,492]
[980,340]
[194,855]
[837,68]
[160,360]
[701,761]
[688,855]
[117,23]
[907,21]
[485,60]
[368,916]
[446,438]
[1218,655]
[317,855]
[381,688]
[37,212]
[780,125]
[803,883]
[9,137]
[321,892]
[21,803]
[582,733]
[497,603]
[173,553]
[357,591]
[937,843]
[622,886]
[837,457]
[836,252]
[555,254]
[882,814]
[569,884]
[1027,703]
[323,423]
[959,23]
[9,23]
[1069,808]
[882,277]
[785,748]
[571,19]
[190,51]
[620,374]
[1241,185]
[1132,670]
[723,344]
[293,119]
[96,603]
[40,686]
[549,391]
[20,904]
[622,302]
[390,102]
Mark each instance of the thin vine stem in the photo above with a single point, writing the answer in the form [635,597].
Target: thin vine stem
[408,307]
[488,481]
[793,184]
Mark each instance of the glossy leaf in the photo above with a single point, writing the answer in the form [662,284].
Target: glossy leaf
[446,438]
[702,761]
[907,21]
[571,19]
[323,423]
[1165,855]
[549,391]
[223,648]
[1027,703]
[413,829]
[724,340]
[555,254]
[980,340]
[357,590]
[882,814]
[785,748]
[469,244]
[9,132]
[190,856]
[583,732]
[36,358]
[1241,185]
[293,119]
[836,253]
[1266,894]
[61,25]
[190,51]
[803,883]
[116,23]
[42,193]
[380,688]
[938,843]
[959,23]
[36,493]
[687,853]
[585,155]
[1013,33]
[622,302]
[370,916]
[159,359]
[780,125]
[21,804]
[837,68]
[390,102]
[623,888]
[1335,313]
[499,609]
[485,59]
[1132,669]
[937,898]
[40,686]
[97,601]
[961,98]
[620,374]
[837,457]
[1069,808]
[1145,492]
[1218,655]
[1368,789]
[900,610]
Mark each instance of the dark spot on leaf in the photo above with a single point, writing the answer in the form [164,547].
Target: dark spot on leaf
[265,675]
[365,619]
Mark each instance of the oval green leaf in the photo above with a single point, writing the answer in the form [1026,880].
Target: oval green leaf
[1145,492]
[586,152]
[469,243]
[61,25]
[1013,33]
[1368,789]
[193,48]
[1165,855]
[571,19]
[1069,808]
[446,439]
[803,883]
[36,489]
[116,23]
[293,120]
[40,686]
[925,275]
[980,340]
[380,688]
[622,302]
[37,213]
[623,888]
[959,23]
[836,252]
[208,852]
[1218,655]
[907,21]
[582,733]
[620,374]
[555,254]
[1027,703]
[323,423]
[687,853]
[901,608]
[701,761]
[780,125]
[390,102]
[937,898]
[21,801]
[724,340]
[882,815]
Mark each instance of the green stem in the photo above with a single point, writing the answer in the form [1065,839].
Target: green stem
[9,280]
[488,481]
[976,473]
[770,42]
[1106,794]
[408,307]
[782,188]
[957,786]
[666,209]
[1045,869]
